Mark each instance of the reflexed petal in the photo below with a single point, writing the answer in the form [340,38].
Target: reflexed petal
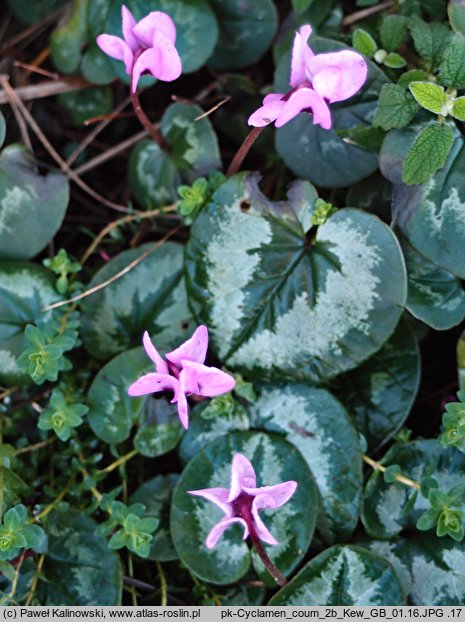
[188,382]
[242,474]
[272,106]
[218,530]
[306,99]
[128,24]
[219,496]
[261,503]
[207,381]
[160,364]
[146,28]
[349,67]
[153,383]
[300,52]
[116,48]
[194,349]
[183,407]
[278,494]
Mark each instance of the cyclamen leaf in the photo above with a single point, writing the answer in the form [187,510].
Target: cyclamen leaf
[393,31]
[396,107]
[452,70]
[430,96]
[300,6]
[456,13]
[2,129]
[458,109]
[427,154]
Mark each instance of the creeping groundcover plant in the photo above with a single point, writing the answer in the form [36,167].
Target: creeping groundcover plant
[232,315]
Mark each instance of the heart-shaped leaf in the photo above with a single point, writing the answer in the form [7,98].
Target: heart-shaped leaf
[318,425]
[150,297]
[26,196]
[25,289]
[275,461]
[385,510]
[286,304]
[2,129]
[246,31]
[343,575]
[431,215]
[321,155]
[380,393]
[431,569]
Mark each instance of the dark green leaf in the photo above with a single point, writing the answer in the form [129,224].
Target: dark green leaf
[380,393]
[300,6]
[153,175]
[246,31]
[452,70]
[396,107]
[343,575]
[26,196]
[430,39]
[282,309]
[150,297]
[393,31]
[317,424]
[159,430]
[456,12]
[364,42]
[84,104]
[32,11]
[274,461]
[68,39]
[428,153]
[2,129]
[96,66]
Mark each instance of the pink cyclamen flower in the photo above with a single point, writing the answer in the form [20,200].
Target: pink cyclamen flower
[183,373]
[243,500]
[316,80]
[146,46]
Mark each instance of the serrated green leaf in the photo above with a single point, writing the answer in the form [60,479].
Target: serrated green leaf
[396,107]
[343,575]
[458,109]
[275,321]
[430,96]
[28,196]
[427,154]
[274,460]
[393,32]
[430,39]
[364,42]
[300,414]
[452,69]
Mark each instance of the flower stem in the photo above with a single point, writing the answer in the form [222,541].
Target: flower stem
[243,150]
[145,121]
[274,572]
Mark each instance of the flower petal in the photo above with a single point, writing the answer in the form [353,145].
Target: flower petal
[349,69]
[242,474]
[194,349]
[272,106]
[300,52]
[153,383]
[128,24]
[218,530]
[306,99]
[279,494]
[207,381]
[219,496]
[262,502]
[146,28]
[116,48]
[160,364]
[183,407]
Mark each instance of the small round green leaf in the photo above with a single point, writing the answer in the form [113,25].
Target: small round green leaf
[150,297]
[281,307]
[26,196]
[74,562]
[196,28]
[435,296]
[389,508]
[112,412]
[380,393]
[431,216]
[318,425]
[25,289]
[274,461]
[156,496]
[343,575]
[432,570]
[246,30]
[321,155]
